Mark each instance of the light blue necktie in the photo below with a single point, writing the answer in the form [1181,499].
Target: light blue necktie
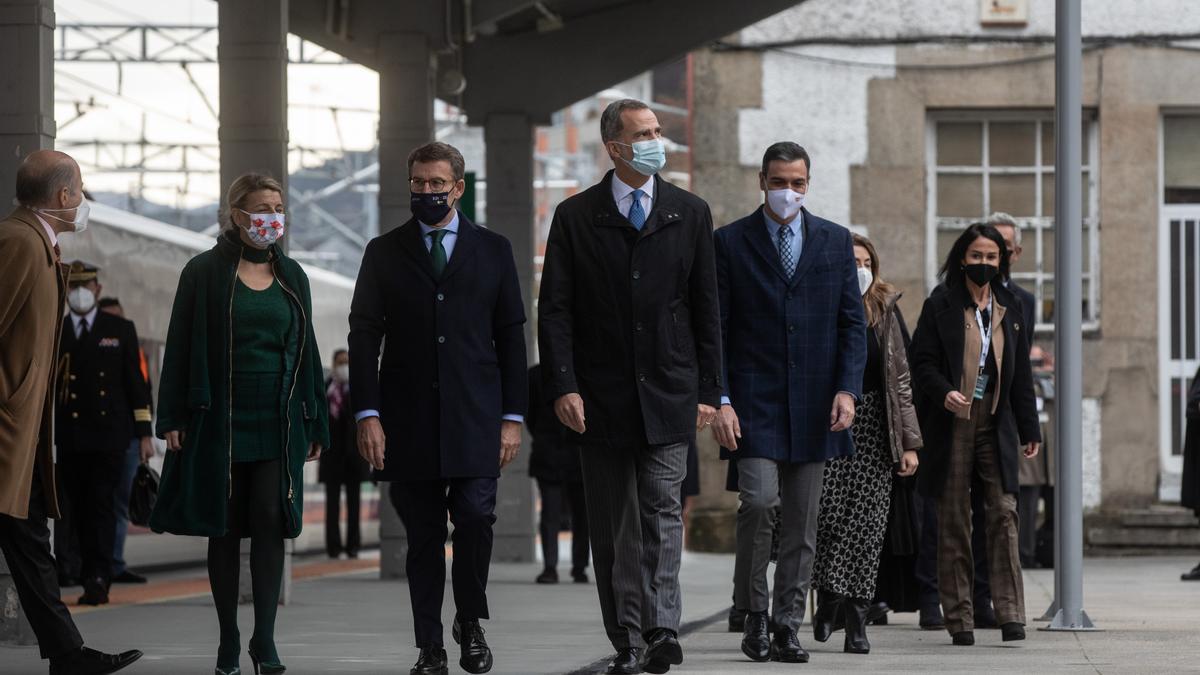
[637,215]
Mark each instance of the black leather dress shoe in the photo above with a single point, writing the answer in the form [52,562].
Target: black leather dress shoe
[877,614]
[128,577]
[1193,575]
[985,617]
[87,661]
[547,577]
[95,592]
[1012,631]
[579,577]
[737,620]
[786,648]
[662,651]
[431,661]
[756,642]
[931,618]
[964,638]
[628,661]
[476,655]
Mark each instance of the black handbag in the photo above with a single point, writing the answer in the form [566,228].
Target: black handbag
[143,495]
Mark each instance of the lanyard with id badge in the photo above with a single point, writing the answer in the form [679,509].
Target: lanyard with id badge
[985,332]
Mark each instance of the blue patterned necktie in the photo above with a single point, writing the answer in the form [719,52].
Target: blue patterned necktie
[637,215]
[785,250]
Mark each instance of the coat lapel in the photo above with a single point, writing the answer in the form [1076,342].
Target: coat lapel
[410,241]
[464,247]
[812,245]
[760,242]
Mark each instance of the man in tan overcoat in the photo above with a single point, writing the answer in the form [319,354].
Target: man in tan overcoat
[32,290]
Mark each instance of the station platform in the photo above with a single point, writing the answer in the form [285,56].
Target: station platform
[344,619]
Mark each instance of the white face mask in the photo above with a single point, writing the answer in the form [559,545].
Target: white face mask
[341,373]
[80,222]
[265,228]
[785,203]
[81,299]
[865,279]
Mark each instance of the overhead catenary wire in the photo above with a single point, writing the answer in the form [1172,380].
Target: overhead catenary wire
[1093,43]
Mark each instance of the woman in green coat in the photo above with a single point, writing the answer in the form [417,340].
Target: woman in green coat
[241,406]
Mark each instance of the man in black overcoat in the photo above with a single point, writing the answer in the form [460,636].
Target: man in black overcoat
[630,338]
[441,414]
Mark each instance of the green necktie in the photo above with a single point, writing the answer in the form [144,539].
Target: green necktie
[438,252]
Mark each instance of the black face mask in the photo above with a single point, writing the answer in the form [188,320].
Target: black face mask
[981,273]
[430,207]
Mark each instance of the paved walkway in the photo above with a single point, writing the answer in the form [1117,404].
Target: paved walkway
[345,620]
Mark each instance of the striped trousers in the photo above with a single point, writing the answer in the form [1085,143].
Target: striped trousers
[636,527]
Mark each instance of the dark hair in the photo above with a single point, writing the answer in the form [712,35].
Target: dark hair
[338,352]
[108,302]
[37,183]
[785,151]
[952,270]
[439,152]
[611,123]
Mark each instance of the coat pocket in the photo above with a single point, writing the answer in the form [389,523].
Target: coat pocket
[19,397]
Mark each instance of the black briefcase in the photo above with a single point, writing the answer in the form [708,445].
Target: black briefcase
[143,495]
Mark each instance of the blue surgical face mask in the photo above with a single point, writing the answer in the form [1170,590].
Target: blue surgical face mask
[649,156]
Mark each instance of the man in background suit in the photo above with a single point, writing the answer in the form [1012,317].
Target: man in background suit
[631,355]
[32,290]
[442,414]
[795,350]
[103,403]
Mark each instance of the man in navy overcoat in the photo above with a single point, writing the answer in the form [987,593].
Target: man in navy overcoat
[794,340]
[442,413]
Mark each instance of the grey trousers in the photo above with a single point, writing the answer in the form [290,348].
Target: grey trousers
[636,527]
[764,484]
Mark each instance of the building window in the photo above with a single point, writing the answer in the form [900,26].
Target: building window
[978,163]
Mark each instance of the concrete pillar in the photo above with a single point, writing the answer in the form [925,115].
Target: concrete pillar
[252,57]
[26,124]
[406,81]
[510,211]
[406,92]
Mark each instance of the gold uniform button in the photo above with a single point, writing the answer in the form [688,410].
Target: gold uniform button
[103,413]
[102,373]
[72,378]
[102,393]
[73,397]
[75,415]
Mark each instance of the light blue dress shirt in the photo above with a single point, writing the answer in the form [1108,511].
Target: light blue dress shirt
[448,243]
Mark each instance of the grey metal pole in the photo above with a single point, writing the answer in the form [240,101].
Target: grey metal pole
[1068,309]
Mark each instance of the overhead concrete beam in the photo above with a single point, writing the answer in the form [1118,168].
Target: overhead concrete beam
[544,72]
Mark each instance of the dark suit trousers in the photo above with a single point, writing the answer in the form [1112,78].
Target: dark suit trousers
[422,506]
[636,525]
[90,478]
[333,532]
[555,496]
[26,546]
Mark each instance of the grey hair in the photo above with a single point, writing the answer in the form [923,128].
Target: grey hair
[610,121]
[1002,218]
[38,188]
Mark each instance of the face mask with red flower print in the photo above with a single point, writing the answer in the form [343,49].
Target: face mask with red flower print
[265,228]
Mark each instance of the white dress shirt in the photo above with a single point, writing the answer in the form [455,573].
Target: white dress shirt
[77,320]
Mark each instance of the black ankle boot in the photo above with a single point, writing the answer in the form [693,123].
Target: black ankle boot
[828,617]
[854,613]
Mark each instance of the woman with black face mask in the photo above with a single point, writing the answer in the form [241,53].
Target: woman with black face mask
[973,387]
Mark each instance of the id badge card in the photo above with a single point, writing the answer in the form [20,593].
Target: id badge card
[981,386]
